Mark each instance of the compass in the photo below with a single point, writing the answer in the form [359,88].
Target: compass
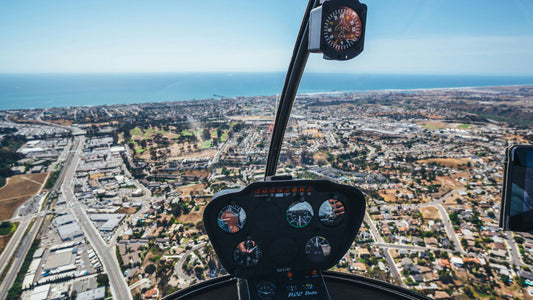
[337,29]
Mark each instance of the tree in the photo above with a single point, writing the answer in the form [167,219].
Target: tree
[206,135]
[150,269]
[102,280]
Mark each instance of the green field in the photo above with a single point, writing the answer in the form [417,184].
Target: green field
[432,127]
[464,126]
[135,131]
[206,145]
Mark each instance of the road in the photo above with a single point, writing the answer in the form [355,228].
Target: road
[20,255]
[446,218]
[447,225]
[411,247]
[179,265]
[514,253]
[74,130]
[378,239]
[9,250]
[119,287]
[21,243]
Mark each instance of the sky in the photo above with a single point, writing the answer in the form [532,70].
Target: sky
[474,37]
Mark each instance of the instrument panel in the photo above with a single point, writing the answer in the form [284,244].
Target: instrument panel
[284,227]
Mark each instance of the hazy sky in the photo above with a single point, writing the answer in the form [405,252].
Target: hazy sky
[485,37]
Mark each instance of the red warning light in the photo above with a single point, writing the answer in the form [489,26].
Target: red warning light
[314,272]
[280,190]
[309,189]
[264,191]
[257,191]
[302,189]
[287,190]
[272,190]
[294,189]
[289,274]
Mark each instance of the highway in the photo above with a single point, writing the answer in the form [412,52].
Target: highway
[9,250]
[119,287]
[20,255]
[21,243]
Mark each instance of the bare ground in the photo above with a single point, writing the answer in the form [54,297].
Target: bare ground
[17,190]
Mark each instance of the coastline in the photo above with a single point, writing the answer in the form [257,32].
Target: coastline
[26,92]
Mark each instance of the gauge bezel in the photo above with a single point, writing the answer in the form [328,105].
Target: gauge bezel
[229,208]
[327,9]
[309,209]
[258,254]
[314,258]
[338,219]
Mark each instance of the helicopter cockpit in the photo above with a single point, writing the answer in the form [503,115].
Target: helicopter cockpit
[277,238]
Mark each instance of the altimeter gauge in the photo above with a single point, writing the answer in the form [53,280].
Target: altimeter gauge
[317,249]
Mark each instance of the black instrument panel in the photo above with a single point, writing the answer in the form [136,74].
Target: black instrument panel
[281,227]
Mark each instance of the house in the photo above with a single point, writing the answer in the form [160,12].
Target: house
[359,267]
[363,253]
[418,278]
[151,294]
[442,295]
[431,241]
[457,261]
[443,263]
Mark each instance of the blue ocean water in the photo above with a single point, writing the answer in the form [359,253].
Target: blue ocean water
[19,91]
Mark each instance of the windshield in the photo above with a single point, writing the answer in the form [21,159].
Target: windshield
[120,121]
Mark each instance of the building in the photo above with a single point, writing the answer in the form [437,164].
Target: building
[94,294]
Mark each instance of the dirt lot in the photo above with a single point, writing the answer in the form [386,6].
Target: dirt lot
[320,156]
[447,162]
[390,195]
[430,212]
[187,189]
[129,211]
[193,216]
[17,190]
[62,122]
[447,181]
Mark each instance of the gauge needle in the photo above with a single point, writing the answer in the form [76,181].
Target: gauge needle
[252,250]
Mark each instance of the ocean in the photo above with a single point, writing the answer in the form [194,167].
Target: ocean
[22,91]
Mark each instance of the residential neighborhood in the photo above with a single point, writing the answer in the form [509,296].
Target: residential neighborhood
[125,217]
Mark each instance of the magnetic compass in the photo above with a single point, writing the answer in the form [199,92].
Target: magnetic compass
[337,29]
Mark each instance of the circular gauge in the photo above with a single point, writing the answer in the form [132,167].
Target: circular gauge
[231,218]
[299,214]
[331,212]
[317,249]
[247,253]
[342,28]
[266,290]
